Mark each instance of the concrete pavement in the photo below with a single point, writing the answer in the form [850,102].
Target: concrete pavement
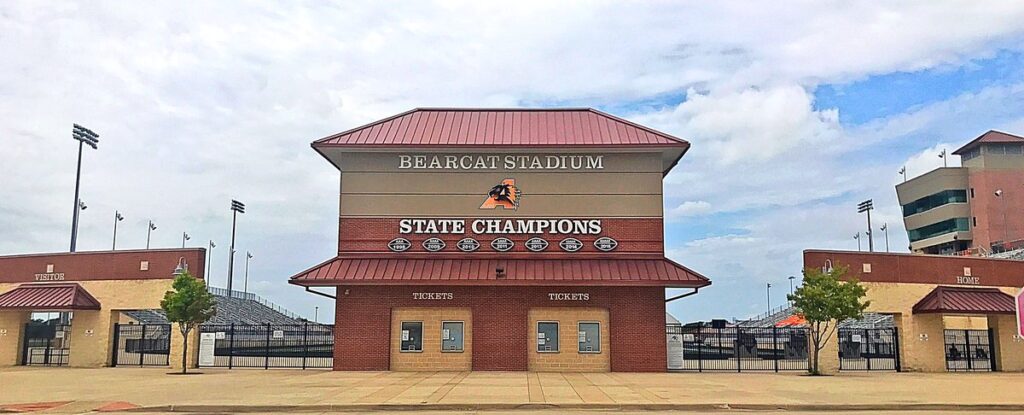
[82,390]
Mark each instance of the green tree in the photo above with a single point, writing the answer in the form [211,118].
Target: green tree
[189,304]
[825,299]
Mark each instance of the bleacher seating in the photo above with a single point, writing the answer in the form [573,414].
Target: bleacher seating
[239,308]
[869,321]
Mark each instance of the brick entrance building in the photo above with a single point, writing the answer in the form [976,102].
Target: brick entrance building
[501,240]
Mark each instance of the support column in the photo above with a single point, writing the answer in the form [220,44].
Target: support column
[828,363]
[1008,346]
[91,334]
[923,342]
[177,348]
[12,332]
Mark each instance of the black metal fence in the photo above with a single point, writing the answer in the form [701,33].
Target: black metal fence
[969,350]
[142,344]
[305,346]
[869,349]
[46,344]
[737,348]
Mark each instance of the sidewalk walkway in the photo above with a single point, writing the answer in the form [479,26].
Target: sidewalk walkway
[295,390]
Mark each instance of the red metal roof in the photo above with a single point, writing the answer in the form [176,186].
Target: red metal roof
[945,299]
[63,296]
[501,127]
[991,136]
[586,272]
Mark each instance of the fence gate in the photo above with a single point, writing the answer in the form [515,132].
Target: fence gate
[737,348]
[969,350]
[869,349]
[142,344]
[46,344]
[299,346]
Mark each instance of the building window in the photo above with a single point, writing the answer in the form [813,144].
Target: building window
[547,336]
[969,154]
[589,337]
[939,228]
[412,336]
[933,201]
[451,336]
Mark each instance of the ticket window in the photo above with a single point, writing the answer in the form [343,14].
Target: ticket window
[412,336]
[452,335]
[547,336]
[589,337]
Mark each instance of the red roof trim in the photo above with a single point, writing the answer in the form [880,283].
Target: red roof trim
[48,296]
[954,300]
[431,271]
[991,136]
[535,131]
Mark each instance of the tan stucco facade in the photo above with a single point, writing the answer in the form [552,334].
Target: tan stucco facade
[92,331]
[569,358]
[922,335]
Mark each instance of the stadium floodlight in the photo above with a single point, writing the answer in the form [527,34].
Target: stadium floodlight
[867,206]
[149,230]
[117,218]
[185,237]
[236,208]
[83,136]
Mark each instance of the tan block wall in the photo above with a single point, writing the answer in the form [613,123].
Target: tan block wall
[431,358]
[568,358]
[828,362]
[1009,346]
[12,327]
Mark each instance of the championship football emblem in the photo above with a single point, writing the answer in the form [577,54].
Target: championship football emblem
[506,195]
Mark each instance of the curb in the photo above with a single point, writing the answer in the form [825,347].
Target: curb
[709,407]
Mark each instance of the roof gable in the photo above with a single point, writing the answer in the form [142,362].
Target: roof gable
[992,136]
[501,127]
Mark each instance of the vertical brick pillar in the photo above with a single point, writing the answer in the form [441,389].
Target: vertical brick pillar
[1008,346]
[12,330]
[177,348]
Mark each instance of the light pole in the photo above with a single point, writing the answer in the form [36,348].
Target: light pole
[885,228]
[245,286]
[316,314]
[149,229]
[84,136]
[942,156]
[903,171]
[81,207]
[209,262]
[768,291]
[185,237]
[117,218]
[857,237]
[791,292]
[868,206]
[236,208]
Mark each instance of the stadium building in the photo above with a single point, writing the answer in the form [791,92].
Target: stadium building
[969,209]
[492,239]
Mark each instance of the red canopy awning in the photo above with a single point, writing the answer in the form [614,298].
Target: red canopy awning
[549,272]
[962,300]
[56,296]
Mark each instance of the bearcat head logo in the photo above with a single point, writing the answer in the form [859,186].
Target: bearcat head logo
[505,194]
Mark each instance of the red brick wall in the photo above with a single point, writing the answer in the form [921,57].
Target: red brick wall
[921,269]
[103,265]
[501,338]
[988,209]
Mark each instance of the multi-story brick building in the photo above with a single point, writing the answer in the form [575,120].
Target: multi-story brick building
[954,209]
[491,239]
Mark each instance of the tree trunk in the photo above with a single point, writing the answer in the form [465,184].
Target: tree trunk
[184,354]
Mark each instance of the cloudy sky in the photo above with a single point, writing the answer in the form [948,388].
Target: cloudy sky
[796,112]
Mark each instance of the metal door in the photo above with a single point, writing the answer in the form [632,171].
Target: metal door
[46,344]
[969,350]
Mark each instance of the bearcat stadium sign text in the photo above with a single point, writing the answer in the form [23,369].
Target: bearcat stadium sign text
[494,162]
[501,226]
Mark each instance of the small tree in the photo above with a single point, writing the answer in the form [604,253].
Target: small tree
[824,300]
[189,304]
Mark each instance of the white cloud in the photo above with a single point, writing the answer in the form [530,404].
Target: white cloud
[202,102]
